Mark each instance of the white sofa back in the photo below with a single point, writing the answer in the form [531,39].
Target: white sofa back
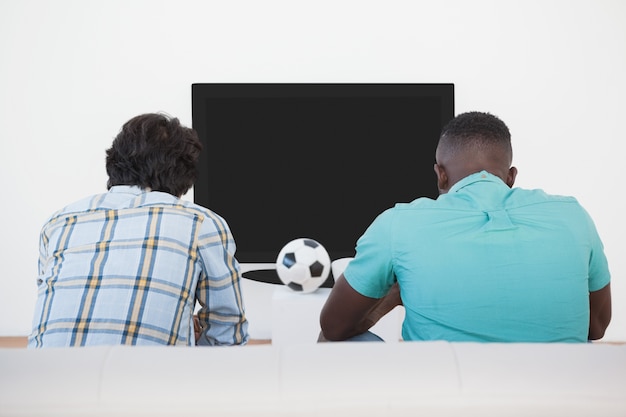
[330,379]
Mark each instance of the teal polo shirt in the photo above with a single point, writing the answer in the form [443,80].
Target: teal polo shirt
[485,262]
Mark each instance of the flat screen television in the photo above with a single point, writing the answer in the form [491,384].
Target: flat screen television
[283,161]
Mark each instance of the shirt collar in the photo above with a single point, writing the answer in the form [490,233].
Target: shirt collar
[127,189]
[482,176]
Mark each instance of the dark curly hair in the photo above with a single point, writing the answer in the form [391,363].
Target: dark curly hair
[154,151]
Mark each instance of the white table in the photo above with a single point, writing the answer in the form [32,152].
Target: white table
[295,317]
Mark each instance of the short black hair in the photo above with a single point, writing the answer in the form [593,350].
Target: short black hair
[154,151]
[477,130]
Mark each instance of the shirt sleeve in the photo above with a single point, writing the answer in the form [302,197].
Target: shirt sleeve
[43,249]
[222,313]
[599,275]
[370,273]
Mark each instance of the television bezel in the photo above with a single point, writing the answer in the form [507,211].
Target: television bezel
[265,271]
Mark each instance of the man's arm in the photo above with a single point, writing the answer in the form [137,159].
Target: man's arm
[347,313]
[599,312]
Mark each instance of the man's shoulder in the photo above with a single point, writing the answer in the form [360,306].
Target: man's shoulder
[420,202]
[127,201]
[538,195]
[199,210]
[185,205]
[78,206]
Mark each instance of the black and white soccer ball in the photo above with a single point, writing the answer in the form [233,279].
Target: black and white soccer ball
[303,265]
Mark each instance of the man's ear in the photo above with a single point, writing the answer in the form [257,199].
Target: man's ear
[442,179]
[510,177]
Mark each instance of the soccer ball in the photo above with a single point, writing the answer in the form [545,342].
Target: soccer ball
[303,265]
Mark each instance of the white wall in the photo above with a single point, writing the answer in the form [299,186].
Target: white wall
[72,71]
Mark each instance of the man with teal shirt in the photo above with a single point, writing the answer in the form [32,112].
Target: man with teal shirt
[483,262]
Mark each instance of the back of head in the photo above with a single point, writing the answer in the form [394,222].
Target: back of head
[154,151]
[473,142]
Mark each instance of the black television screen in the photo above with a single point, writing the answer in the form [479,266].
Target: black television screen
[283,161]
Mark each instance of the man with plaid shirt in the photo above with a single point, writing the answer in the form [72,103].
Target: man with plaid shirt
[129,266]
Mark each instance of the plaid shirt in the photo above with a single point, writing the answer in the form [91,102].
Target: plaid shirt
[128,266]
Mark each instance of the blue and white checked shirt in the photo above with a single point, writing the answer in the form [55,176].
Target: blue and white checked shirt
[128,266]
